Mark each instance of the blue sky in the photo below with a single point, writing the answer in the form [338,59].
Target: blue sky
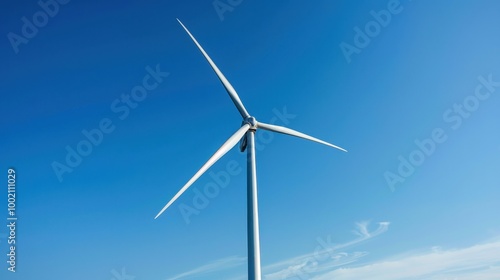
[410,88]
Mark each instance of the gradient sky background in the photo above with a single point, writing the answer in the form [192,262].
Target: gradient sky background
[440,223]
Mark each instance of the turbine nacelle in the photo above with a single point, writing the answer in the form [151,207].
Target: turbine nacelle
[250,121]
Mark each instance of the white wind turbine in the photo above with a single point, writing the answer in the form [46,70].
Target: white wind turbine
[246,133]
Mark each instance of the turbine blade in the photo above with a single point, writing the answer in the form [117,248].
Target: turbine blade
[288,131]
[229,88]
[228,145]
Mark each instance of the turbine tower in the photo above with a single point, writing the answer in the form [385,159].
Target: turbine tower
[246,133]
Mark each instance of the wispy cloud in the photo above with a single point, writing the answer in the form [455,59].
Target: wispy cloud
[310,266]
[477,262]
[326,256]
[215,266]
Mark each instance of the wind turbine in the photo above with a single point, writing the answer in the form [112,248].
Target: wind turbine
[246,133]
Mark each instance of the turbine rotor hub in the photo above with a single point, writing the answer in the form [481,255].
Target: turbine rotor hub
[252,122]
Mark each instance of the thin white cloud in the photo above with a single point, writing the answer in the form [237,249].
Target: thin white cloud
[325,257]
[478,262]
[217,265]
[308,267]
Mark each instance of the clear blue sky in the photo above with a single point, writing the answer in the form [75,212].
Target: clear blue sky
[431,71]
